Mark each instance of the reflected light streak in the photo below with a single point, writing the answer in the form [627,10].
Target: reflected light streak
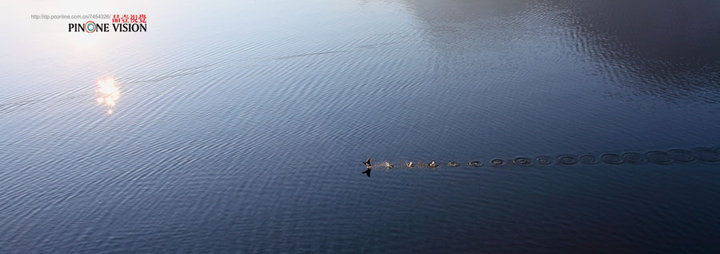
[109,93]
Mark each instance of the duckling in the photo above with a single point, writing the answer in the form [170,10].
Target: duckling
[388,165]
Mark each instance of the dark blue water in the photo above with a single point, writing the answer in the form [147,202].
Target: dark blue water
[241,127]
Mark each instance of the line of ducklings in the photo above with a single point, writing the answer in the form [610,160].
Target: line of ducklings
[703,154]
[433,164]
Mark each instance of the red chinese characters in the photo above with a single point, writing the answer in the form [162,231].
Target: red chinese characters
[129,18]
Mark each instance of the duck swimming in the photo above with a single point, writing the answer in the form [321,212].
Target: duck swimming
[432,164]
[388,165]
[368,166]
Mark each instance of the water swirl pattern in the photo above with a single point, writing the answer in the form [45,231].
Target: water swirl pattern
[701,154]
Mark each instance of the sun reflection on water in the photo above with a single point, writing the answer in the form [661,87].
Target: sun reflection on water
[109,93]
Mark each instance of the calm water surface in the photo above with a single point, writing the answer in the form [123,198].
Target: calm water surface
[241,127]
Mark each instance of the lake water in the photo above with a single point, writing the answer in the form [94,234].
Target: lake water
[241,127]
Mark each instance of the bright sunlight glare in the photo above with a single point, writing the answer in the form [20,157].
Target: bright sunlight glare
[109,93]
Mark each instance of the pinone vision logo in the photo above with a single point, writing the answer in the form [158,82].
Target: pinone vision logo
[126,23]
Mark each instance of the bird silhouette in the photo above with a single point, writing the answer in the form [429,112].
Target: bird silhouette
[367,172]
[368,166]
